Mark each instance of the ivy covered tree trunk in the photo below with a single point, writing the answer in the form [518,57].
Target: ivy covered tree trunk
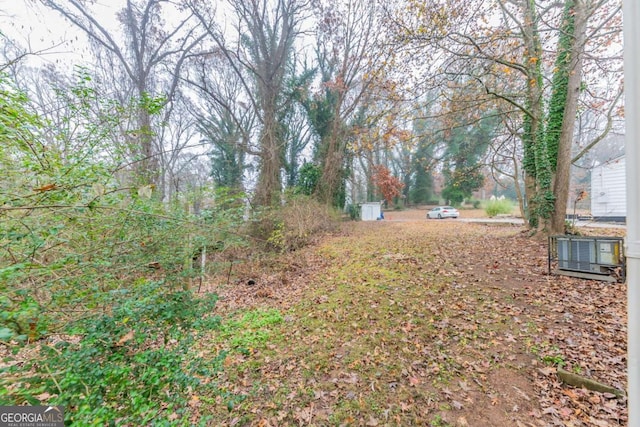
[533,126]
[260,59]
[148,165]
[547,157]
[564,104]
[331,188]
[269,184]
[323,112]
[422,181]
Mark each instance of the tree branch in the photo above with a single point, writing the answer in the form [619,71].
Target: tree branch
[604,133]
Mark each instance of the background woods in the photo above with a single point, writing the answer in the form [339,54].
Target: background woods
[263,88]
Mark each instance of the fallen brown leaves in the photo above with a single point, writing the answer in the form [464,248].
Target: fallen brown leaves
[424,323]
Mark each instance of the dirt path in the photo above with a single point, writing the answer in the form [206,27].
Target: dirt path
[438,323]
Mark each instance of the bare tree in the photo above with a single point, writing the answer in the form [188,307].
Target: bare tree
[149,57]
[259,52]
[179,134]
[225,119]
[505,155]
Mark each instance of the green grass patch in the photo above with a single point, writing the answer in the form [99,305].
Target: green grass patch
[251,331]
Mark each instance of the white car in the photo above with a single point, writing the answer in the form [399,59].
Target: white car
[443,212]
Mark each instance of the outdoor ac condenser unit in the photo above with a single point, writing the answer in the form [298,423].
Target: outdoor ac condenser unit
[592,257]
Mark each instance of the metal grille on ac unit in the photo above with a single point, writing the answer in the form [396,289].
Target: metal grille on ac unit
[594,257]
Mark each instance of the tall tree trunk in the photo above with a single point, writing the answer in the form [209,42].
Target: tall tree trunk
[332,165]
[260,59]
[532,136]
[148,166]
[269,182]
[578,14]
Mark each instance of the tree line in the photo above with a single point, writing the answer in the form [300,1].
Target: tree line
[327,98]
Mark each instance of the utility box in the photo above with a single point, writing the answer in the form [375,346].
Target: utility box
[599,258]
[370,211]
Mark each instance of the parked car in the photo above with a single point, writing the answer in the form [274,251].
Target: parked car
[443,212]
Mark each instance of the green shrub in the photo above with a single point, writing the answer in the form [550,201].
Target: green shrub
[353,211]
[132,366]
[309,177]
[72,236]
[94,260]
[496,207]
[454,195]
[70,264]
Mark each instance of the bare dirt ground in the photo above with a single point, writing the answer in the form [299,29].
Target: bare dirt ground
[411,321]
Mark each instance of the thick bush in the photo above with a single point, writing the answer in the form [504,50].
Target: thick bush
[497,207]
[353,211]
[95,273]
[72,236]
[304,218]
[133,366]
[295,224]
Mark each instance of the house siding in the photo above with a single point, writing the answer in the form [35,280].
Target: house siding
[608,189]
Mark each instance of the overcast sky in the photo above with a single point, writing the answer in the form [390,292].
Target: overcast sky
[40,29]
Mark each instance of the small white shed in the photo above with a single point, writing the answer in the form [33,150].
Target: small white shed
[608,190]
[370,211]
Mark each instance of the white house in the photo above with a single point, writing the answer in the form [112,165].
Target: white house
[608,190]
